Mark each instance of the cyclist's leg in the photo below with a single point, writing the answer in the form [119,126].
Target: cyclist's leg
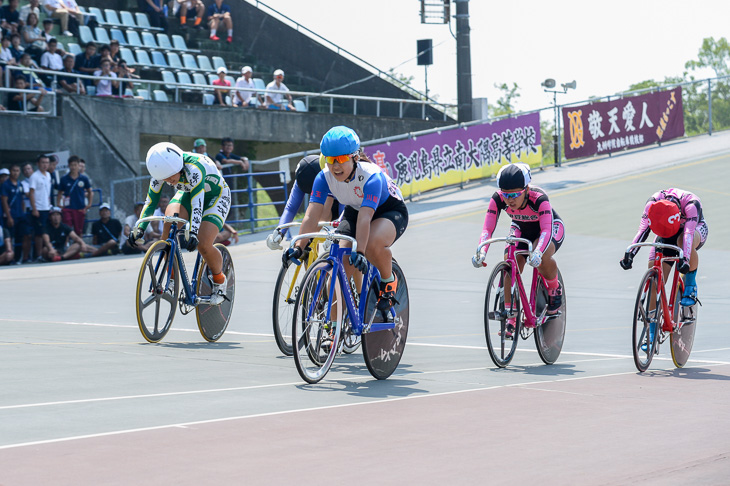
[177,206]
[689,297]
[206,238]
[382,235]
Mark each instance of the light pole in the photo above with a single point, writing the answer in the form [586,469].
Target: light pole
[547,84]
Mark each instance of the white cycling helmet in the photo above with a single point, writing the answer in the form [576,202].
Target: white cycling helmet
[164,160]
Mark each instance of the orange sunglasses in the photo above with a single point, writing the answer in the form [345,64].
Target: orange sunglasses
[340,159]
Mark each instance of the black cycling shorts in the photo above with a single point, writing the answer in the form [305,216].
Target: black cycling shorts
[396,213]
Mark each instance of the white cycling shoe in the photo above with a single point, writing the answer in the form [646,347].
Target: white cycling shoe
[218,291]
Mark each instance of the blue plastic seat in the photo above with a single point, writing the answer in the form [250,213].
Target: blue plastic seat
[133,38]
[179,43]
[199,79]
[204,63]
[189,62]
[208,99]
[184,78]
[74,48]
[149,40]
[111,17]
[168,77]
[128,56]
[118,36]
[158,59]
[96,12]
[160,95]
[143,22]
[219,62]
[143,59]
[127,19]
[101,35]
[164,42]
[173,60]
[211,78]
[299,105]
[85,35]
[144,94]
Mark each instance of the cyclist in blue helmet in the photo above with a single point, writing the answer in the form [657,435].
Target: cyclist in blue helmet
[375,214]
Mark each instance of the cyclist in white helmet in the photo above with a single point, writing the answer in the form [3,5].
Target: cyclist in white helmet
[202,196]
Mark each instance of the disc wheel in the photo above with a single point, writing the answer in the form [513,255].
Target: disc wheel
[647,320]
[383,350]
[501,348]
[550,335]
[683,337]
[157,295]
[213,319]
[315,338]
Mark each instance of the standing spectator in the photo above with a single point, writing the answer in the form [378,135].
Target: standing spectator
[4,175]
[219,12]
[21,101]
[56,244]
[6,247]
[70,84]
[156,13]
[10,18]
[125,84]
[189,8]
[104,86]
[32,7]
[27,170]
[130,223]
[40,200]
[33,39]
[106,232]
[275,101]
[75,196]
[199,147]
[226,156]
[12,197]
[57,10]
[221,81]
[160,211]
[114,54]
[51,59]
[88,62]
[245,98]
[55,177]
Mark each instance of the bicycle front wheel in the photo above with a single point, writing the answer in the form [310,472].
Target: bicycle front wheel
[156,295]
[285,295]
[315,337]
[682,339]
[549,336]
[501,347]
[647,320]
[213,319]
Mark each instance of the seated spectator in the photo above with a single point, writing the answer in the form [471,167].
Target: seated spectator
[88,62]
[124,84]
[220,94]
[10,18]
[104,86]
[40,201]
[156,13]
[275,101]
[31,7]
[199,147]
[76,17]
[70,84]
[114,53]
[60,241]
[16,49]
[13,203]
[47,28]
[219,13]
[33,39]
[6,55]
[74,196]
[6,247]
[25,101]
[105,53]
[226,156]
[131,222]
[51,59]
[245,98]
[69,22]
[227,233]
[189,8]
[30,76]
[106,232]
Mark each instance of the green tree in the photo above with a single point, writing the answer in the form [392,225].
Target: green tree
[506,102]
[714,54]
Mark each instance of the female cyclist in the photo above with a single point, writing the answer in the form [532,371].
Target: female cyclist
[375,214]
[202,196]
[533,218]
[675,217]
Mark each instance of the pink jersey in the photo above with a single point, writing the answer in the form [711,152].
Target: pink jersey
[535,217]
[691,216]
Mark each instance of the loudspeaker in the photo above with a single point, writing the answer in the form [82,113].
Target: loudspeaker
[424,49]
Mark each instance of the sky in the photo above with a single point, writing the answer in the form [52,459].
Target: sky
[604,46]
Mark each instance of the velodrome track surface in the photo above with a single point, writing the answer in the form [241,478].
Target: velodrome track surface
[85,400]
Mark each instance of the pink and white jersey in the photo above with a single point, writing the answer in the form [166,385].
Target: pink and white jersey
[691,217]
[534,217]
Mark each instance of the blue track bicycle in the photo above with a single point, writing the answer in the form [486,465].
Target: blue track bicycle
[329,307]
[159,293]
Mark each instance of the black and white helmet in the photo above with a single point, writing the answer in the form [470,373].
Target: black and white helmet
[514,176]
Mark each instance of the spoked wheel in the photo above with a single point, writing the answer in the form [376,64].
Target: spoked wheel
[285,295]
[550,335]
[647,320]
[683,338]
[501,347]
[213,319]
[316,338]
[383,350]
[156,294]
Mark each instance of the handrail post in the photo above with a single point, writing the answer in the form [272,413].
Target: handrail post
[709,105]
[251,216]
[332,101]
[354,106]
[377,108]
[400,109]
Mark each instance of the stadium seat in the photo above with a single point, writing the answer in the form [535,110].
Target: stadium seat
[184,78]
[91,90]
[299,105]
[133,38]
[101,35]
[204,63]
[168,77]
[158,59]
[85,35]
[118,35]
[231,80]
[74,48]
[160,95]
[259,83]
[208,99]
[199,79]
[189,62]
[211,78]
[128,93]
[111,17]
[143,59]
[219,62]
[127,19]
[179,43]
[164,42]
[174,61]
[128,56]
[99,16]
[143,21]
[149,40]
[144,94]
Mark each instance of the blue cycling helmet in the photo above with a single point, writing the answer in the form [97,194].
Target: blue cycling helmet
[339,141]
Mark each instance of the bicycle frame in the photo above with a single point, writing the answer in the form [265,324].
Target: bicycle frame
[659,259]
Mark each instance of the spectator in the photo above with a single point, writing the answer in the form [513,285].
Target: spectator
[123,72]
[199,147]
[21,101]
[57,10]
[275,101]
[245,98]
[4,174]
[76,16]
[70,84]
[219,12]
[226,156]
[33,39]
[88,62]
[31,76]
[160,211]
[55,177]
[32,7]
[149,235]
[6,55]
[156,13]
[221,81]
[114,54]
[105,53]
[16,49]
[56,244]
[75,196]
[10,17]
[226,234]
[6,247]
[190,8]
[104,86]
[27,170]
[51,59]
[47,28]
[40,200]
[11,196]
[106,232]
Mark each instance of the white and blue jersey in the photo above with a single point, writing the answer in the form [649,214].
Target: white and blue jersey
[369,187]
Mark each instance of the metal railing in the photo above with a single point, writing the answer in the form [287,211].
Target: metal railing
[28,93]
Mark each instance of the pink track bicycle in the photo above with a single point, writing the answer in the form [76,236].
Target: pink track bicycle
[530,315]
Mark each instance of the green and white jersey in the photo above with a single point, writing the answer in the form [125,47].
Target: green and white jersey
[202,179]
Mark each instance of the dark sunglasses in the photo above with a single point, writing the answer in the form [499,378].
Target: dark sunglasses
[511,195]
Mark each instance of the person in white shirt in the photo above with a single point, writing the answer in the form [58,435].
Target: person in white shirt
[275,101]
[51,59]
[131,222]
[40,200]
[32,7]
[104,86]
[245,98]
[58,10]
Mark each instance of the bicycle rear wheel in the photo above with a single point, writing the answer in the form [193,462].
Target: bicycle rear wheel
[550,335]
[383,350]
[501,348]
[315,338]
[682,339]
[213,319]
[156,297]
[647,320]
